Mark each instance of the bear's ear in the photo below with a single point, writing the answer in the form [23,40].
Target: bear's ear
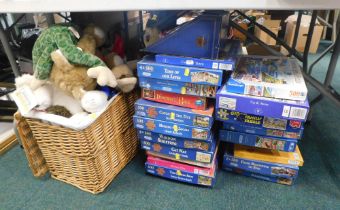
[122,71]
[132,64]
[118,60]
[112,60]
[60,60]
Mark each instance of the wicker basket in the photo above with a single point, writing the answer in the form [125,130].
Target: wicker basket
[36,160]
[91,158]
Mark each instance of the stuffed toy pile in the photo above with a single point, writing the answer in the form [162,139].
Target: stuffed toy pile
[67,73]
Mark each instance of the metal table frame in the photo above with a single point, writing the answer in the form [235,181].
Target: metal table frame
[324,88]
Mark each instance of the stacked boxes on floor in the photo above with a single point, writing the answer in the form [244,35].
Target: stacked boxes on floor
[175,120]
[263,107]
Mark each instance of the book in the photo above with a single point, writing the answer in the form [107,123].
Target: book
[170,128]
[180,153]
[268,76]
[193,102]
[179,87]
[148,68]
[258,141]
[255,124]
[261,167]
[176,141]
[268,107]
[279,180]
[272,156]
[171,113]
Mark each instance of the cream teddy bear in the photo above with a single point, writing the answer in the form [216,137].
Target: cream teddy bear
[79,81]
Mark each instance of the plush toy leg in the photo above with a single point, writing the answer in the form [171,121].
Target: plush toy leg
[94,101]
[103,75]
[127,84]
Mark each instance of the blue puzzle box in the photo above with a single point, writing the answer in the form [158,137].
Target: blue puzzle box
[261,167]
[263,131]
[226,60]
[274,143]
[227,65]
[180,175]
[171,129]
[279,180]
[175,141]
[261,125]
[178,87]
[150,69]
[180,153]
[170,113]
[269,107]
[268,76]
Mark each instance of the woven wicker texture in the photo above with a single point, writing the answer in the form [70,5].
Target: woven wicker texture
[36,160]
[91,158]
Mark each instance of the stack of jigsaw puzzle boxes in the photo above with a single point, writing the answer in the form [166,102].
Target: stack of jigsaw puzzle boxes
[175,119]
[263,107]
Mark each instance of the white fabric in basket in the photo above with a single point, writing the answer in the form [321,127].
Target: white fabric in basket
[78,121]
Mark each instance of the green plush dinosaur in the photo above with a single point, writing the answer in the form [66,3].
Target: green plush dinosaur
[63,38]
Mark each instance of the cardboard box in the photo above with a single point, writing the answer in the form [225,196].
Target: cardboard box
[181,166]
[180,153]
[176,141]
[261,167]
[148,68]
[251,129]
[227,64]
[272,156]
[159,111]
[184,88]
[255,49]
[258,141]
[273,26]
[268,76]
[268,107]
[181,172]
[193,102]
[238,35]
[279,180]
[255,124]
[302,37]
[184,161]
[171,129]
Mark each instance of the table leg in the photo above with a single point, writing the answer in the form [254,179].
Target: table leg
[309,40]
[9,52]
[333,62]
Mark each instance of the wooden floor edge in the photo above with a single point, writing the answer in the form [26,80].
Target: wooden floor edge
[8,144]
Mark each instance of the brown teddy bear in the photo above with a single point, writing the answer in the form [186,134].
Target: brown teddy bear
[76,81]
[124,73]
